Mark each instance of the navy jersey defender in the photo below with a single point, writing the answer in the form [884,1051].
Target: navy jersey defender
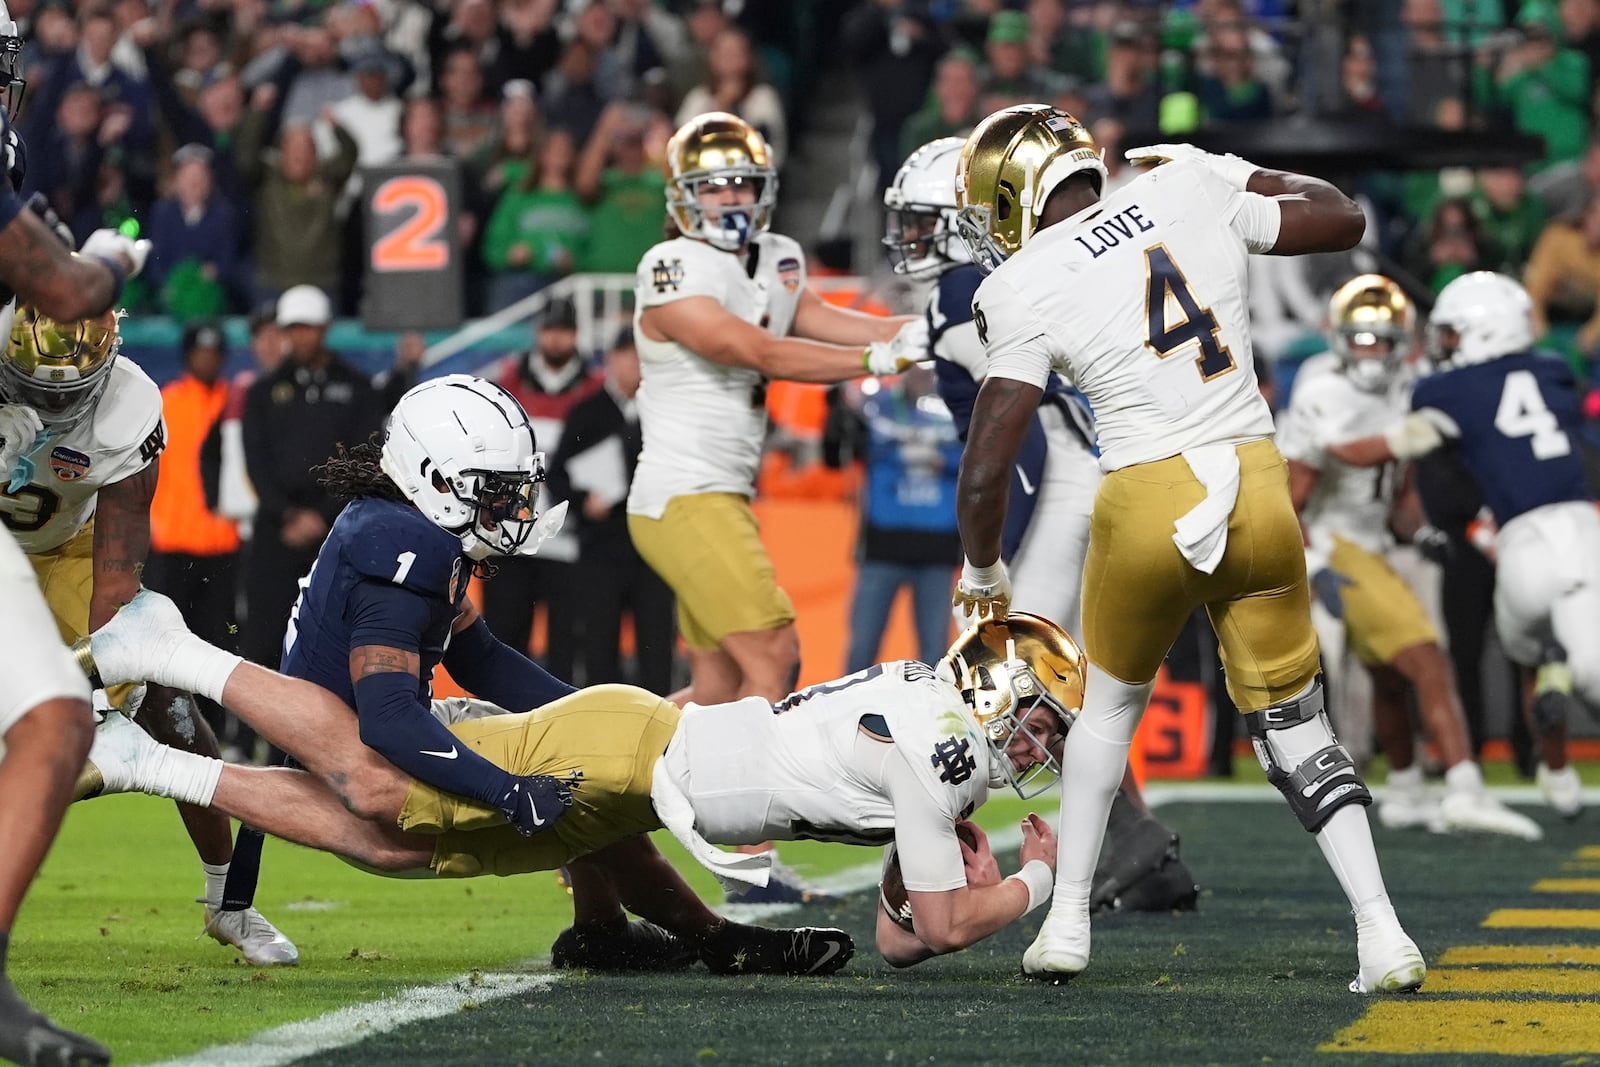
[385,603]
[1514,414]
[1056,473]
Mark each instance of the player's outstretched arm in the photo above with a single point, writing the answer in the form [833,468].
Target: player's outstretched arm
[492,670]
[818,320]
[711,332]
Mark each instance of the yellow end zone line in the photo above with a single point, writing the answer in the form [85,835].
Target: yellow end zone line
[1550,981]
[1588,852]
[1567,885]
[1543,919]
[1526,955]
[1401,1025]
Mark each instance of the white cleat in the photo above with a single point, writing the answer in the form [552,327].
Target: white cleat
[118,759]
[1390,962]
[249,931]
[1475,811]
[1407,807]
[138,642]
[1562,790]
[1061,951]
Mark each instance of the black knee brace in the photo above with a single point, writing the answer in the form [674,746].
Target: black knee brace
[1326,780]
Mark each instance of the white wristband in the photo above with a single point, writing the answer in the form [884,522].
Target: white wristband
[989,575]
[1040,880]
[1235,171]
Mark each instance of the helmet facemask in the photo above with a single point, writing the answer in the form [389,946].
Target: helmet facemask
[731,226]
[59,368]
[1370,371]
[920,240]
[502,506]
[996,666]
[11,80]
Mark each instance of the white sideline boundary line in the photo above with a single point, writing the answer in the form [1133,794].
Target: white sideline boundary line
[291,1042]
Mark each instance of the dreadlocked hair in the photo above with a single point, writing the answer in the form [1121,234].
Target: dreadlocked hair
[355,471]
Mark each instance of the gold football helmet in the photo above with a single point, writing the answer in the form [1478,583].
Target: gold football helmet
[716,151]
[58,368]
[1006,669]
[1011,163]
[1371,313]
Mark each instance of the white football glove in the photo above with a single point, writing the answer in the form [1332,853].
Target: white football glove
[981,592]
[908,346]
[1233,170]
[113,245]
[19,433]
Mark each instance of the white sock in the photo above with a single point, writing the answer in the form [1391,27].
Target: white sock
[182,776]
[216,878]
[1464,777]
[199,667]
[1407,778]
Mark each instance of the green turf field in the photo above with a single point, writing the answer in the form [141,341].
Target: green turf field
[1511,932]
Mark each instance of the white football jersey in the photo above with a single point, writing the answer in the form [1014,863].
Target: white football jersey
[704,422]
[118,439]
[1348,502]
[811,767]
[1141,302]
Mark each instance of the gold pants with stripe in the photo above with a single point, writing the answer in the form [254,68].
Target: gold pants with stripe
[1138,590]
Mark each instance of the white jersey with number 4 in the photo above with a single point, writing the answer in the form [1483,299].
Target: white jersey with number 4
[115,441]
[1348,502]
[885,754]
[704,422]
[1141,301]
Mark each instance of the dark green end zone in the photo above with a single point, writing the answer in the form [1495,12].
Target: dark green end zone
[1258,975]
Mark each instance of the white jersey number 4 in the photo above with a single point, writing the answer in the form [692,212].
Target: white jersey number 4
[1522,413]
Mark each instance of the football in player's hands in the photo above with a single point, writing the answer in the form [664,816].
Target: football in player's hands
[892,893]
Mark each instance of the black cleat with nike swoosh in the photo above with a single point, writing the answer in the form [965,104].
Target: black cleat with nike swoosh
[810,950]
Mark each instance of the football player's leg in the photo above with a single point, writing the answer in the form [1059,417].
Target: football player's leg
[1047,570]
[1134,606]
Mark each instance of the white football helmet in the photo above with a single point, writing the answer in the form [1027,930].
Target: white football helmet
[920,230]
[462,450]
[1007,668]
[1489,314]
[12,84]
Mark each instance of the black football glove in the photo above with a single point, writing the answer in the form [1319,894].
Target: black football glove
[535,802]
[1434,544]
[39,204]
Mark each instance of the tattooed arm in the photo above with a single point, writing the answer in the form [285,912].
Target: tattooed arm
[396,721]
[43,272]
[121,542]
[1000,421]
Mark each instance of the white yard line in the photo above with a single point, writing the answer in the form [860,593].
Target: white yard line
[292,1042]
[284,1045]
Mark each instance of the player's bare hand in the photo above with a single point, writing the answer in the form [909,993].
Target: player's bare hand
[1038,841]
[981,593]
[976,855]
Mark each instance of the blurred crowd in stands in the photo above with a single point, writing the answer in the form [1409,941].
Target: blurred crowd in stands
[234,132]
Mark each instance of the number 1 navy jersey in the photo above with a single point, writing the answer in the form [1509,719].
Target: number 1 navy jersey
[374,546]
[1516,419]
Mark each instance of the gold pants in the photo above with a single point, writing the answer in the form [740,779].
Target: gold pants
[1382,616]
[609,736]
[708,548]
[1138,590]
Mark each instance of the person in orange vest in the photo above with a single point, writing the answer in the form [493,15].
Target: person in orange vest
[194,553]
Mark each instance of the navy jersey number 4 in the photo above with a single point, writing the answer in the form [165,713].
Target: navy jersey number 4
[1515,418]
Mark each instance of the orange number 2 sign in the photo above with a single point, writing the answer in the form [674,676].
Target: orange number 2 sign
[417,243]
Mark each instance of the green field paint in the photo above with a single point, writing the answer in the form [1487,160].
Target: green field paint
[1543,919]
[1524,955]
[1486,1027]
[1567,885]
[1548,981]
